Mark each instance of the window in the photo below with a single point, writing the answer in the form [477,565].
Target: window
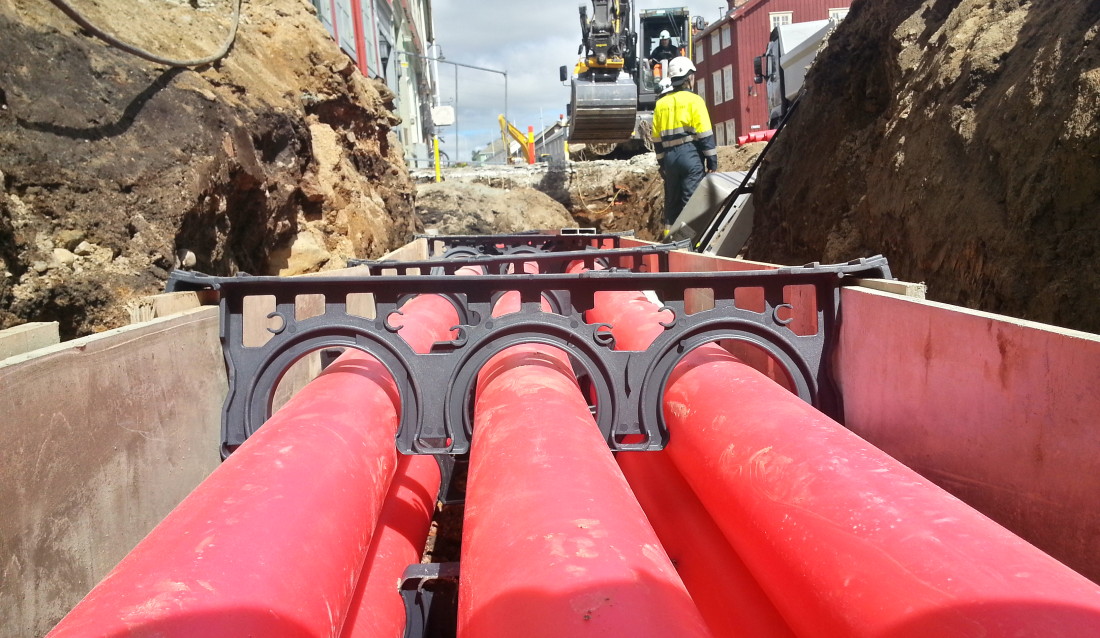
[715,43]
[727,80]
[731,131]
[838,14]
[324,11]
[779,18]
[716,80]
[345,29]
[720,135]
[726,36]
[699,52]
[701,88]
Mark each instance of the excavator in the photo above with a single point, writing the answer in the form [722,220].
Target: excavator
[614,88]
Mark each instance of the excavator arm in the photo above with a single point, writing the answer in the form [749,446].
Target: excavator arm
[507,129]
[607,36]
[604,101]
[526,142]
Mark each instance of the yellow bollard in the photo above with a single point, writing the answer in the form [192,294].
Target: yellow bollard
[435,146]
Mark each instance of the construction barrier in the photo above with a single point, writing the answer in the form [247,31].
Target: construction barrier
[530,145]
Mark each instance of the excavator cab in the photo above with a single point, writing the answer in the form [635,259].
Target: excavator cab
[650,25]
[614,88]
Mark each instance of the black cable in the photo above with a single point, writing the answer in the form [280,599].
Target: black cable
[78,18]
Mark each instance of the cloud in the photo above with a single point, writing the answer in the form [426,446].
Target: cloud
[529,39]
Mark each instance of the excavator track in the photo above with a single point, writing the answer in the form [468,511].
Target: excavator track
[603,111]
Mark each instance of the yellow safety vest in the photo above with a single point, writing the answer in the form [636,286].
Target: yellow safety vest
[681,117]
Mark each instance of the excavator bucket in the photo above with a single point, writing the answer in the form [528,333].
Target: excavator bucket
[603,111]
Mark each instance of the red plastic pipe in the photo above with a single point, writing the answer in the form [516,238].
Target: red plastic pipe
[732,603]
[377,610]
[272,542]
[727,594]
[756,136]
[554,543]
[844,539]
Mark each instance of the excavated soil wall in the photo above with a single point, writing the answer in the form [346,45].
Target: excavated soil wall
[961,139]
[279,158]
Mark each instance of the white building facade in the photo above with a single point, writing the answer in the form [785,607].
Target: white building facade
[392,39]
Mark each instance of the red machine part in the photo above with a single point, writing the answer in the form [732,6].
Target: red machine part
[844,539]
[554,543]
[271,543]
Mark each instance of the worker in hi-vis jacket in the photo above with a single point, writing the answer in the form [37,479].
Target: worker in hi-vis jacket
[683,139]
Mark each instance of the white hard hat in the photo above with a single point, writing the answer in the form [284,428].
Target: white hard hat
[679,68]
[665,35]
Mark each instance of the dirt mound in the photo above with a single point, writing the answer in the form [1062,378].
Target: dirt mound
[614,196]
[617,195]
[279,158]
[960,139]
[455,208]
[609,195]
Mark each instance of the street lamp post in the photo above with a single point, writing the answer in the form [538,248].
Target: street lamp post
[457,156]
[468,66]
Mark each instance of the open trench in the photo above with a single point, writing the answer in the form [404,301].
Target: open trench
[560,535]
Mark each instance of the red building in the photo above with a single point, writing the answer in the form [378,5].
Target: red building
[724,52]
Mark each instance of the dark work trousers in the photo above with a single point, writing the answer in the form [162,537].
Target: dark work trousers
[683,172]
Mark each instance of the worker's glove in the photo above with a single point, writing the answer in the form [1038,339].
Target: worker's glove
[712,163]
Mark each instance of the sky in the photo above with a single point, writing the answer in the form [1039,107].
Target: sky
[529,39]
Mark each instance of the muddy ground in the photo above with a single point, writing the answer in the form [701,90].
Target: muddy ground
[457,208]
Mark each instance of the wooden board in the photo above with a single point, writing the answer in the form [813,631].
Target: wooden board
[102,437]
[162,305]
[903,288]
[1003,413]
[28,337]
